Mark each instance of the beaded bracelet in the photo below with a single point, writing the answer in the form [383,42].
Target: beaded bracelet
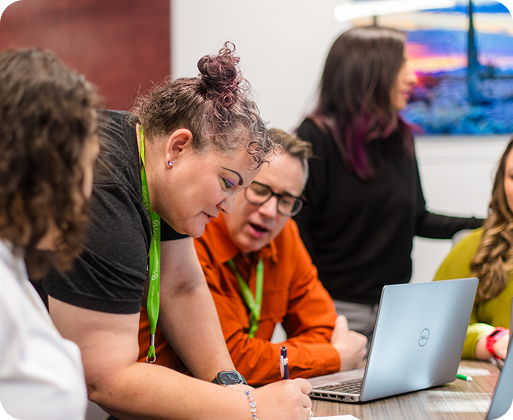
[252,404]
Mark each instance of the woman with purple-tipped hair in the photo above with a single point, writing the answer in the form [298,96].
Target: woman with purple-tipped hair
[364,195]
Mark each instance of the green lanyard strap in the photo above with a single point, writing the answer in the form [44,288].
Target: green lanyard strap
[153,304]
[254,303]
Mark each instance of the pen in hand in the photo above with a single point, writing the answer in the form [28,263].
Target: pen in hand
[284,363]
[284,369]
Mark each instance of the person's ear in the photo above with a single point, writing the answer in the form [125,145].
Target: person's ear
[178,143]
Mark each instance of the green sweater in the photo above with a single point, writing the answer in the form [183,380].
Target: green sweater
[485,315]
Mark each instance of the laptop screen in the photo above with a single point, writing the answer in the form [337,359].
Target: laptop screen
[503,396]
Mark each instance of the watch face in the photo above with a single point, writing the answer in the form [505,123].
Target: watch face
[494,333]
[230,377]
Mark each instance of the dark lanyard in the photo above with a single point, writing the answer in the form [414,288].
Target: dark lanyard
[254,303]
[153,303]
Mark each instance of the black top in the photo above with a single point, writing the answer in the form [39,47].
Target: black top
[110,273]
[360,234]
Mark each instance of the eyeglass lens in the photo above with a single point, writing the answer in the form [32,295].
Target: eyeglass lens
[258,194]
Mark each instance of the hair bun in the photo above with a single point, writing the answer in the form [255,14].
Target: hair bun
[220,76]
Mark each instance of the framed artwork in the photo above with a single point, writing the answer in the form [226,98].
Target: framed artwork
[463,58]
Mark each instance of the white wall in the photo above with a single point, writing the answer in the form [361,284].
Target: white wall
[457,175]
[283,45]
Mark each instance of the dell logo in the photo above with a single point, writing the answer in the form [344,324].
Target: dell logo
[424,337]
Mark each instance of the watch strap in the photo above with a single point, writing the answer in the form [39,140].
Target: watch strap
[493,337]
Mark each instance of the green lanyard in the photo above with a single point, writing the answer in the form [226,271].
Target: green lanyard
[254,303]
[153,303]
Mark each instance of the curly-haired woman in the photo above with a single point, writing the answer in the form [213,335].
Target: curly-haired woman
[182,155]
[48,146]
[365,200]
[487,253]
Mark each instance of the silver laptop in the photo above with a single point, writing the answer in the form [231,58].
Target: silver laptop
[417,343]
[503,395]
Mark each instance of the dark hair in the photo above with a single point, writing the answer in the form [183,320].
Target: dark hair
[215,107]
[47,115]
[294,146]
[494,256]
[354,99]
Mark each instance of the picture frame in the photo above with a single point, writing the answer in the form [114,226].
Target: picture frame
[463,59]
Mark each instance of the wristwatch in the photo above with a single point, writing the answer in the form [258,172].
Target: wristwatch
[495,336]
[229,377]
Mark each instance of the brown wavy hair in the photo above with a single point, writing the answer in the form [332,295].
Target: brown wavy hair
[494,256]
[354,103]
[215,106]
[47,115]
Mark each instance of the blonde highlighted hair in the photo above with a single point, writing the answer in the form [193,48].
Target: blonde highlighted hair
[494,256]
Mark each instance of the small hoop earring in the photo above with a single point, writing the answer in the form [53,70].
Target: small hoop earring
[170,164]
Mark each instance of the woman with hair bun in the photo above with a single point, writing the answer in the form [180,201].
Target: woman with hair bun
[487,253]
[165,170]
[48,147]
[365,200]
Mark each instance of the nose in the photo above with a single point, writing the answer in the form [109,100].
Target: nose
[226,205]
[269,209]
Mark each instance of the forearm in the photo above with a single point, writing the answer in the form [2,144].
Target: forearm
[189,320]
[188,316]
[118,383]
[475,342]
[146,392]
[438,226]
[259,359]
[309,325]
[480,350]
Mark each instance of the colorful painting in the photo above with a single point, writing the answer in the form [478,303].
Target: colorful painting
[464,63]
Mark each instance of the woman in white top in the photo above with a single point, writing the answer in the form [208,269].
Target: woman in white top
[48,146]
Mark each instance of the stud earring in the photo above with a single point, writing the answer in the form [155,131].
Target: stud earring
[170,164]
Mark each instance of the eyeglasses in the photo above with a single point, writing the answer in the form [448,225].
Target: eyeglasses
[287,205]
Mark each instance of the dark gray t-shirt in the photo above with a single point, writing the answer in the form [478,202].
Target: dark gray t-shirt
[110,273]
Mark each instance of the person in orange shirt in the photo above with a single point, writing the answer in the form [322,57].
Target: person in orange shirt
[258,247]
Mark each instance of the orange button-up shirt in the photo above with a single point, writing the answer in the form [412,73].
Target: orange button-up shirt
[292,295]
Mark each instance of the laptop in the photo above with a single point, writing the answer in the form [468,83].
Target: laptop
[417,342]
[503,395]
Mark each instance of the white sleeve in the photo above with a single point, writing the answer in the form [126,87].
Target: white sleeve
[41,373]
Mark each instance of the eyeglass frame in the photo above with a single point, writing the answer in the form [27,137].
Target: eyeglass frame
[301,200]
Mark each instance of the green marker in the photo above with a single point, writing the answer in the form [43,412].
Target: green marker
[465,378]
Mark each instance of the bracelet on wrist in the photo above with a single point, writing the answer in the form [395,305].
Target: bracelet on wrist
[252,404]
[493,337]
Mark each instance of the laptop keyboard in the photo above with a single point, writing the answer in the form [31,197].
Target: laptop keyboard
[349,387]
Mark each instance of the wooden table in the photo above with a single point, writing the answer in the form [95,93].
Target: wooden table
[456,400]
